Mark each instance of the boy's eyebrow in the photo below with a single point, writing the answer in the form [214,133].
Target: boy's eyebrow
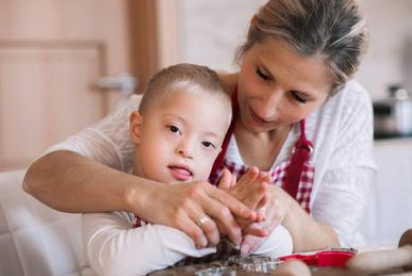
[174,116]
[216,136]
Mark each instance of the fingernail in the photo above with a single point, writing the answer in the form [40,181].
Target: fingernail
[203,243]
[245,250]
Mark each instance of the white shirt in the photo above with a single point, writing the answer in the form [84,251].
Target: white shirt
[114,247]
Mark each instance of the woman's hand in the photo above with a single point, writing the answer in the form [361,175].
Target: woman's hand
[276,209]
[195,208]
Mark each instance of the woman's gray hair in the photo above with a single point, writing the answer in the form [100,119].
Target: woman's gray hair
[189,78]
[332,29]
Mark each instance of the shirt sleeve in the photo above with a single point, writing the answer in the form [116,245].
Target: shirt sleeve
[342,196]
[108,141]
[278,244]
[114,247]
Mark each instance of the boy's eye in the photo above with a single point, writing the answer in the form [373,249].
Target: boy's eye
[174,129]
[298,98]
[262,75]
[207,144]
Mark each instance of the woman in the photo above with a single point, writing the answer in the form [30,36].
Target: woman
[298,117]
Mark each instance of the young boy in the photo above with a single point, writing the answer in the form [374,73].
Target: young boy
[177,133]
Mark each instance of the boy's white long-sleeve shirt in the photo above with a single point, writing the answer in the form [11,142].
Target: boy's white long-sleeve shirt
[114,247]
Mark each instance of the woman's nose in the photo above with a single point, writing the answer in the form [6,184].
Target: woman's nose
[269,105]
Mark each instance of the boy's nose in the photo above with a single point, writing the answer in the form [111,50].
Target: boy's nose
[185,150]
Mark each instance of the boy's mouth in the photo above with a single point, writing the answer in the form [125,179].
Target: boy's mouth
[180,172]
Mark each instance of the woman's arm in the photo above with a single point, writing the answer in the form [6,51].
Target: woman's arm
[113,247]
[86,173]
[88,186]
[251,189]
[69,182]
[307,233]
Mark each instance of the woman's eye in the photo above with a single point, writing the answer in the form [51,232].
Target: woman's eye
[298,98]
[262,75]
[207,144]
[174,129]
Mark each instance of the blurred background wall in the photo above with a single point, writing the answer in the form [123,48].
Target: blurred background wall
[210,31]
[54,54]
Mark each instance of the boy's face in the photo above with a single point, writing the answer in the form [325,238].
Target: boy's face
[179,138]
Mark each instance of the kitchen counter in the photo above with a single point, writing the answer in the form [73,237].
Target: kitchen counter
[389,212]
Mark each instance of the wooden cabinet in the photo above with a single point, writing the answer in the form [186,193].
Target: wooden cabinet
[52,52]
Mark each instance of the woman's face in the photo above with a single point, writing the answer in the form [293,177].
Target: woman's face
[278,87]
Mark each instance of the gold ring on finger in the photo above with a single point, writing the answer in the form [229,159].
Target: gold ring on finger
[202,220]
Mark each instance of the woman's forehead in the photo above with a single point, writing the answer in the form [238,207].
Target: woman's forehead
[285,64]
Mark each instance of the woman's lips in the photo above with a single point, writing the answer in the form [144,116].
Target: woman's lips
[180,173]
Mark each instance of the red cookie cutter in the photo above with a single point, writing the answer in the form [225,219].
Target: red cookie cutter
[337,257]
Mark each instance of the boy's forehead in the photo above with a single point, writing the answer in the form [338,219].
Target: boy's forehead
[201,97]
[211,109]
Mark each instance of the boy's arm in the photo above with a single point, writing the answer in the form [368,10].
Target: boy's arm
[113,247]
[279,243]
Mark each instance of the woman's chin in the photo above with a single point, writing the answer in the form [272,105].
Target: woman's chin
[256,128]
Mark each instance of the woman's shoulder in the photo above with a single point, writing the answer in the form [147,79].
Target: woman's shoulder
[134,101]
[343,115]
[354,93]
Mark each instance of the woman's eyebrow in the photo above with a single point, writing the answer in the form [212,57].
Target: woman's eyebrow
[267,71]
[309,95]
[306,95]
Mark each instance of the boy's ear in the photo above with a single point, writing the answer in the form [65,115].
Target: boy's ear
[135,128]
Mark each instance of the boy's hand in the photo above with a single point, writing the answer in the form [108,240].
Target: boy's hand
[276,209]
[252,191]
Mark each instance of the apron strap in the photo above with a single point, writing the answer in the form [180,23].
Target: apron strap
[221,157]
[301,154]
